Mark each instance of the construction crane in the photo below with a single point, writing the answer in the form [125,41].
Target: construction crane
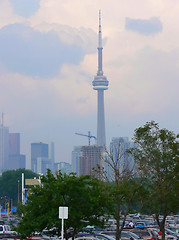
[89,136]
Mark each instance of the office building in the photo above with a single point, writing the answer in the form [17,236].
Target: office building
[90,160]
[16,160]
[4,148]
[42,157]
[64,167]
[76,153]
[14,143]
[122,159]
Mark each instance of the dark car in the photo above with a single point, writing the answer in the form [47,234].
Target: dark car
[146,233]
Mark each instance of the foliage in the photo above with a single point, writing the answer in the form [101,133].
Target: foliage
[122,185]
[9,183]
[157,156]
[82,195]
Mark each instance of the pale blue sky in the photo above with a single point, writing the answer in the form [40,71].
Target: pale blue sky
[25,8]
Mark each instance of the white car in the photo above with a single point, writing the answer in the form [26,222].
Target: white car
[5,229]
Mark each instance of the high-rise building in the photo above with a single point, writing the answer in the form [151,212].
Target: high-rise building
[76,153]
[4,147]
[42,157]
[16,160]
[64,167]
[10,157]
[90,159]
[120,156]
[14,143]
[38,150]
[100,83]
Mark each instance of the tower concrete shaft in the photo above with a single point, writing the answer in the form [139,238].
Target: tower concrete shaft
[100,83]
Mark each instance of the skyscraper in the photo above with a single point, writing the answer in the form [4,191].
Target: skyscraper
[100,83]
[90,159]
[14,143]
[16,160]
[42,157]
[119,157]
[4,147]
[38,150]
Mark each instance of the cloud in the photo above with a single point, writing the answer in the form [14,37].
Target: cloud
[145,27]
[25,8]
[86,38]
[33,53]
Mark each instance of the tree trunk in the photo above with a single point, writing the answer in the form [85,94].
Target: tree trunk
[118,233]
[161,225]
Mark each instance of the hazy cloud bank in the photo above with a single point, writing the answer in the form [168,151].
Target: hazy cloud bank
[33,53]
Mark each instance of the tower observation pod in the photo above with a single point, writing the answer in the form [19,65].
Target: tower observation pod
[100,83]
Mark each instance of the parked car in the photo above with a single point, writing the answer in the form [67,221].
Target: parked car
[168,236]
[124,235]
[170,223]
[89,236]
[174,229]
[146,233]
[170,232]
[5,229]
[144,223]
[140,224]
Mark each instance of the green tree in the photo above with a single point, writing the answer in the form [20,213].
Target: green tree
[157,156]
[122,186]
[10,183]
[82,195]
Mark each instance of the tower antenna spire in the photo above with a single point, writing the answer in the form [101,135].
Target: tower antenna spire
[100,48]
[100,33]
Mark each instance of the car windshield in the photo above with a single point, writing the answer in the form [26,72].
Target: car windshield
[125,234]
[134,235]
[1,229]
[104,237]
[169,231]
[143,233]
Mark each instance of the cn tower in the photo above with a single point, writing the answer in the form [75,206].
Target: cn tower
[100,83]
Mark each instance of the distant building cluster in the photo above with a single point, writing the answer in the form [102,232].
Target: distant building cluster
[85,159]
[42,155]
[10,156]
[43,158]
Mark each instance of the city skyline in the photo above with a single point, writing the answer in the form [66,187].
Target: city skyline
[48,60]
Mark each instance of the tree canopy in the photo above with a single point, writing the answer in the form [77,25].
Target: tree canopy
[157,156]
[121,184]
[9,183]
[82,195]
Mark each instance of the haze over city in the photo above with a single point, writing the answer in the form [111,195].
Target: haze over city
[48,60]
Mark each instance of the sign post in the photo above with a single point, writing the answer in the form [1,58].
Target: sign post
[63,214]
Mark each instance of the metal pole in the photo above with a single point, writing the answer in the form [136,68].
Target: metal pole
[18,191]
[11,204]
[62,227]
[22,188]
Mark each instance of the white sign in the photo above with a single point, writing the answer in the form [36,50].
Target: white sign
[63,212]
